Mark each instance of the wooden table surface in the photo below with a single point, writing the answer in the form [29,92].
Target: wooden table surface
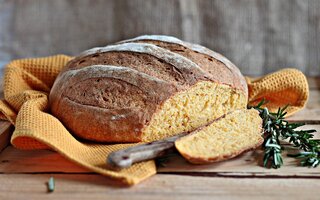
[24,174]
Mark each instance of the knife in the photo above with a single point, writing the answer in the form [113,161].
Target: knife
[124,158]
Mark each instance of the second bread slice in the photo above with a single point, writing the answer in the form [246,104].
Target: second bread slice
[224,138]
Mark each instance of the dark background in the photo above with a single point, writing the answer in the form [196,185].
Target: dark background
[259,36]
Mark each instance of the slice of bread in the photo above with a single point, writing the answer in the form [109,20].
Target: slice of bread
[224,138]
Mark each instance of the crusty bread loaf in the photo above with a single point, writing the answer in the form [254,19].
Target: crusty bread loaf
[225,138]
[145,89]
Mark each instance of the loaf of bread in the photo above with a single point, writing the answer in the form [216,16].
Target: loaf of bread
[225,138]
[145,89]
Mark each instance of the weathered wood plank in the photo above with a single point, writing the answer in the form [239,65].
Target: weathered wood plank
[314,83]
[157,187]
[20,161]
[246,165]
[308,115]
[249,164]
[311,113]
[6,128]
[5,134]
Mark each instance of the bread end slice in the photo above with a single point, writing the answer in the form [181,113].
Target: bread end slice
[225,138]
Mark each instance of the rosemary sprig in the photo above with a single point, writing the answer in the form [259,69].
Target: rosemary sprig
[276,128]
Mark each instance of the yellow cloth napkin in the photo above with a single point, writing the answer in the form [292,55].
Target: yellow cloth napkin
[27,83]
[281,88]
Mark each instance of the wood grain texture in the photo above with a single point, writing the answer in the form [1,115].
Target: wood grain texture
[246,165]
[13,161]
[6,128]
[311,112]
[314,83]
[68,186]
[20,161]
[258,36]
[249,164]
[5,134]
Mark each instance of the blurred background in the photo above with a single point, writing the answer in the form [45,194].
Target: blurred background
[259,36]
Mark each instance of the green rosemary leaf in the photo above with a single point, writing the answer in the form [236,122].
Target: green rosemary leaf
[276,128]
[262,102]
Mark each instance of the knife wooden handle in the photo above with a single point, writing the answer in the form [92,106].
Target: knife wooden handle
[126,157]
